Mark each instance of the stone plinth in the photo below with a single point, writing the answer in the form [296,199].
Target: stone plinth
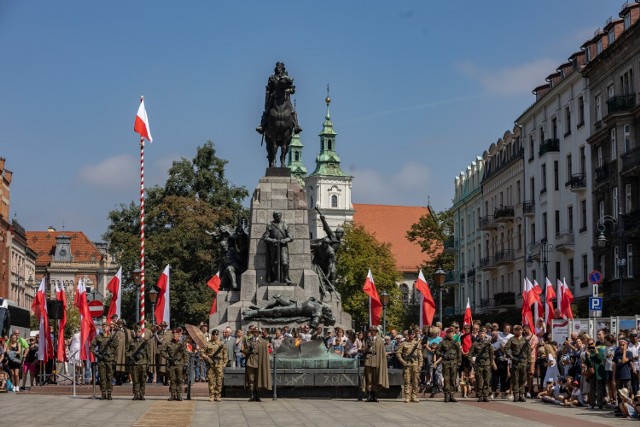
[277,191]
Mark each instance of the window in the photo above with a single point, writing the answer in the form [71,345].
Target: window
[330,146]
[616,257]
[611,35]
[569,167]
[583,215]
[614,150]
[627,137]
[628,204]
[296,156]
[544,226]
[585,272]
[600,209]
[405,294]
[599,46]
[541,133]
[629,260]
[614,202]
[518,193]
[556,177]
[571,272]
[543,173]
[533,232]
[554,127]
[580,111]
[626,82]
[567,121]
[600,158]
[519,237]
[603,264]
[627,21]
[610,92]
[334,201]
[557,222]
[531,147]
[570,219]
[598,107]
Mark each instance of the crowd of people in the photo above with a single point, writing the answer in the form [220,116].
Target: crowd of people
[497,362]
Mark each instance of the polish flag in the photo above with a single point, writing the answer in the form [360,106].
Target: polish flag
[375,306]
[467,339]
[163,310]
[527,294]
[427,304]
[535,299]
[115,287]
[548,307]
[141,125]
[87,327]
[214,284]
[559,294]
[62,296]
[567,299]
[39,307]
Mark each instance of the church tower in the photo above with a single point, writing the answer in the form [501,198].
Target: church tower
[295,164]
[328,187]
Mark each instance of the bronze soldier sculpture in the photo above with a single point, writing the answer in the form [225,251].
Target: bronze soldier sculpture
[277,236]
[376,375]
[216,357]
[104,347]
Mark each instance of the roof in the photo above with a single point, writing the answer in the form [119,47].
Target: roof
[44,244]
[390,224]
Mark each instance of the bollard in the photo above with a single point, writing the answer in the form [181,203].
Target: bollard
[359,379]
[275,392]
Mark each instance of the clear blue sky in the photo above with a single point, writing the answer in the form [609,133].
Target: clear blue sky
[418,88]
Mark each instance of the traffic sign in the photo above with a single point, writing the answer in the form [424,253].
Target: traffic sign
[595,290]
[595,277]
[96,308]
[595,304]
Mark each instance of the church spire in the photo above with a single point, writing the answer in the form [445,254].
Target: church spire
[328,161]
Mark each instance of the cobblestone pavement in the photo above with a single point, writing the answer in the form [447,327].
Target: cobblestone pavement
[63,409]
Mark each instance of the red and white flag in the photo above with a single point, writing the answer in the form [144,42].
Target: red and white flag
[427,305]
[550,295]
[567,299]
[87,327]
[375,306]
[115,287]
[62,297]
[214,284]
[535,299]
[527,315]
[39,307]
[141,124]
[163,310]
[466,338]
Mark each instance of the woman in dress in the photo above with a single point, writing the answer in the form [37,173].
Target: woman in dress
[14,358]
[552,362]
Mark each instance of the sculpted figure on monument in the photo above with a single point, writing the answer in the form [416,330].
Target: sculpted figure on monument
[285,310]
[324,258]
[277,237]
[234,248]
[279,120]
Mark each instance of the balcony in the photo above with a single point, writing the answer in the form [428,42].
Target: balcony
[602,174]
[488,223]
[564,241]
[488,263]
[529,208]
[621,103]
[486,304]
[505,256]
[548,146]
[631,163]
[534,252]
[505,299]
[471,272]
[451,244]
[451,278]
[577,182]
[503,214]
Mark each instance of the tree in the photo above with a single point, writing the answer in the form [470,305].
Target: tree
[358,252]
[195,198]
[430,232]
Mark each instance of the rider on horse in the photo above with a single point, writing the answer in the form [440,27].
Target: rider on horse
[279,73]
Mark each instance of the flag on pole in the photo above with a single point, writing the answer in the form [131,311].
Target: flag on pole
[62,297]
[141,124]
[466,338]
[527,315]
[534,298]
[214,284]
[427,305]
[115,287]
[375,306]
[163,310]
[559,293]
[87,327]
[548,307]
[39,307]
[567,299]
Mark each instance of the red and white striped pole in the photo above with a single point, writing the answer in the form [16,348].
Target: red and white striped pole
[142,293]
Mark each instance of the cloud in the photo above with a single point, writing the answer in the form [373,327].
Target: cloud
[406,187]
[113,173]
[517,80]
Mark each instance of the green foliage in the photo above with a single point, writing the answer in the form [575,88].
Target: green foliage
[360,251]
[195,198]
[430,232]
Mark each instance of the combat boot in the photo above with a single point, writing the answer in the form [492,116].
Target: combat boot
[173,397]
[258,397]
[446,397]
[451,398]
[374,398]
[179,395]
[253,396]
[109,395]
[141,397]
[522,399]
[104,396]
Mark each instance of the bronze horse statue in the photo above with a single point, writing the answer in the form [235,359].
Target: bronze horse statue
[279,121]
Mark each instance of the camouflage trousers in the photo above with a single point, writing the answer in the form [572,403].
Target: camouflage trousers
[518,378]
[139,377]
[215,375]
[105,370]
[450,375]
[483,380]
[411,381]
[176,378]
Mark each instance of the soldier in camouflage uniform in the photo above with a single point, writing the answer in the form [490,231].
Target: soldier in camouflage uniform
[138,357]
[518,351]
[104,347]
[175,353]
[482,357]
[409,354]
[449,354]
[216,357]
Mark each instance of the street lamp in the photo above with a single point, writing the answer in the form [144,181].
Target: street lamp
[621,262]
[137,279]
[384,299]
[153,297]
[439,276]
[544,249]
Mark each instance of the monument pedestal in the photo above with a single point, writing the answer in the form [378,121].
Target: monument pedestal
[276,191]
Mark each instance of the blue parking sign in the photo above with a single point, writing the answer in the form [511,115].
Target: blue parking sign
[595,303]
